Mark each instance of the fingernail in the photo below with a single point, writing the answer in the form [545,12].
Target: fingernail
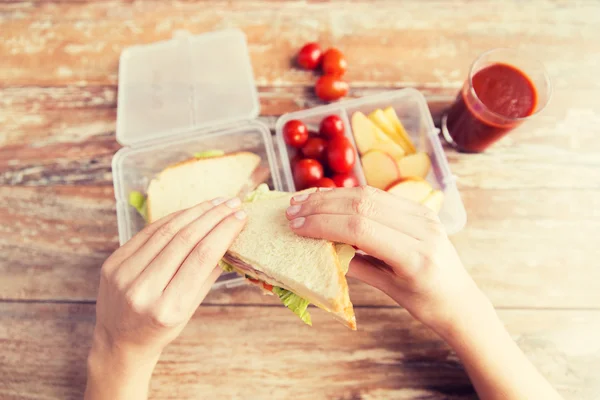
[297,223]
[301,197]
[241,215]
[233,203]
[293,210]
[325,189]
[218,200]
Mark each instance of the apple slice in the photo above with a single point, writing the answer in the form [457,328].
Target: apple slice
[380,169]
[434,201]
[379,119]
[417,164]
[391,115]
[364,132]
[415,189]
[368,136]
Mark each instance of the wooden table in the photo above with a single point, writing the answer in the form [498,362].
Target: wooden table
[533,201]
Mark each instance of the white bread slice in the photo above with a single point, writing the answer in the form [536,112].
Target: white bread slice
[308,267]
[193,181]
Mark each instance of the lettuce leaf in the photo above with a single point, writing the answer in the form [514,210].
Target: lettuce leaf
[225,266]
[138,201]
[209,154]
[262,192]
[295,303]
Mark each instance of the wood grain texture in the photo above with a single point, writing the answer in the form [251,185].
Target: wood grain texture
[53,241]
[224,353]
[56,42]
[533,200]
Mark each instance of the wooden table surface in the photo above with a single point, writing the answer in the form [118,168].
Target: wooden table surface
[533,201]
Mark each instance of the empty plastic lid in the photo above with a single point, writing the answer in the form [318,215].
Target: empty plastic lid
[188,82]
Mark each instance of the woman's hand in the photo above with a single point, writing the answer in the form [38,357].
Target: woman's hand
[410,256]
[150,288]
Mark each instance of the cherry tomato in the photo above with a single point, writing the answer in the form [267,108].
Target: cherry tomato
[340,154]
[347,180]
[307,172]
[334,62]
[330,88]
[295,133]
[294,160]
[315,148]
[310,56]
[331,126]
[325,182]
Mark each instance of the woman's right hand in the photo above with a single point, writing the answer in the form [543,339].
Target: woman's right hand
[409,255]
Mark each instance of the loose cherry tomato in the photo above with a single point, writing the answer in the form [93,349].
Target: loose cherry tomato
[325,182]
[295,133]
[347,180]
[310,56]
[341,155]
[307,172]
[315,148]
[334,62]
[331,126]
[331,87]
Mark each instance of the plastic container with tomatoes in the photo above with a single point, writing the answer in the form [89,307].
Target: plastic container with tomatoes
[411,107]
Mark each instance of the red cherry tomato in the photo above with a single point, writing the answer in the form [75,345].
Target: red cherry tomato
[347,180]
[334,62]
[295,133]
[341,155]
[307,172]
[331,87]
[310,56]
[294,160]
[325,182]
[315,148]
[331,126]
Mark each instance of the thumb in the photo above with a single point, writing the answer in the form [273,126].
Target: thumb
[371,271]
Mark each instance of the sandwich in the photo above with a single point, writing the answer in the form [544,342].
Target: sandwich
[208,175]
[298,270]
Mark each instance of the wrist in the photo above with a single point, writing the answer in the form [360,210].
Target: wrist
[118,372]
[469,310]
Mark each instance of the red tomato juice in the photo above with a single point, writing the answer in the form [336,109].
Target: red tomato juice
[503,96]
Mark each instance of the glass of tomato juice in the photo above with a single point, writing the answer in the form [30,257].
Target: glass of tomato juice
[505,87]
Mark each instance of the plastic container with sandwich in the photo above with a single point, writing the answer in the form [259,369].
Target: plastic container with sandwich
[411,108]
[181,96]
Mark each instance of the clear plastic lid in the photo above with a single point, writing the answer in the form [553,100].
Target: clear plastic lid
[184,83]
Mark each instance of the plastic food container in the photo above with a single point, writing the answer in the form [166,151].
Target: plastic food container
[178,97]
[411,107]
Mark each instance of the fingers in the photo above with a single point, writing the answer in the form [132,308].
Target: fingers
[400,214]
[161,270]
[185,287]
[133,244]
[358,199]
[385,243]
[133,266]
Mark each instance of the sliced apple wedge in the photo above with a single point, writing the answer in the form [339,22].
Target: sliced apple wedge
[413,188]
[434,200]
[364,132]
[380,169]
[379,119]
[417,164]
[401,134]
[368,136]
